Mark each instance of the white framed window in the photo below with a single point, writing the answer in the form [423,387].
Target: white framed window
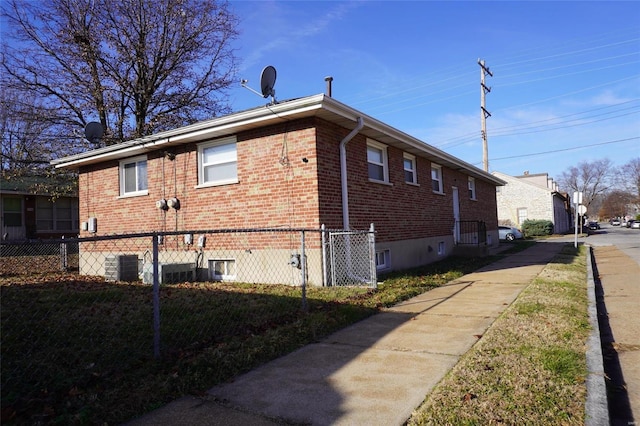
[383,259]
[378,163]
[222,269]
[218,162]
[472,188]
[436,178]
[409,163]
[522,215]
[133,176]
[441,248]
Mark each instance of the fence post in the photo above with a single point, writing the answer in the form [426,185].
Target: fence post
[303,270]
[156,299]
[372,256]
[64,260]
[323,244]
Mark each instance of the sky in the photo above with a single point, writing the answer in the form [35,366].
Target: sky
[566,75]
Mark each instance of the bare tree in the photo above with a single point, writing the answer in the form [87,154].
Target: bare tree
[630,177]
[136,66]
[593,179]
[20,130]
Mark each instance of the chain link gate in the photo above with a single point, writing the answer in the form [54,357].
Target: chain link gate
[352,258]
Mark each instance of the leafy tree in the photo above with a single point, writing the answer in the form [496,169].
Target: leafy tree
[136,66]
[594,179]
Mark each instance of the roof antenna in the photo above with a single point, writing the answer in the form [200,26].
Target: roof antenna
[267,81]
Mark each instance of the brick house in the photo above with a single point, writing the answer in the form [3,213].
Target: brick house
[29,211]
[300,163]
[533,196]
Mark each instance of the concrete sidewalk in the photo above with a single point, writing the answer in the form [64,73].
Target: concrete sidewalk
[375,372]
[619,276]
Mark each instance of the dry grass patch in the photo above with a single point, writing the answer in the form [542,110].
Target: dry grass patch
[530,366]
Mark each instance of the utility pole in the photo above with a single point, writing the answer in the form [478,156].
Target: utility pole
[484,89]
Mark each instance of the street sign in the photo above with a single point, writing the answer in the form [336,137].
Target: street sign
[577,197]
[582,209]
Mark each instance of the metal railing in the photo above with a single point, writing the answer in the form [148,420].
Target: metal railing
[471,233]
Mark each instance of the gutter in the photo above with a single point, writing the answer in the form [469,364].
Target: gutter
[213,128]
[343,172]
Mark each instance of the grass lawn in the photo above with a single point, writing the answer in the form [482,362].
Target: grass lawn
[530,366]
[79,350]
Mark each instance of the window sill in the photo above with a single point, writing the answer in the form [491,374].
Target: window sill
[381,182]
[412,184]
[439,193]
[133,194]
[220,183]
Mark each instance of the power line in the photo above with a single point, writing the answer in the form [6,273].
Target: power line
[564,149]
[584,47]
[526,128]
[530,130]
[571,115]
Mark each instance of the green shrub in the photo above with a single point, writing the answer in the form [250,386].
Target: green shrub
[536,228]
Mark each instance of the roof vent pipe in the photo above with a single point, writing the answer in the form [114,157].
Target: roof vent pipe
[343,172]
[328,79]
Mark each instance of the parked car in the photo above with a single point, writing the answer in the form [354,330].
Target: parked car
[509,233]
[594,226]
[629,223]
[635,224]
[615,222]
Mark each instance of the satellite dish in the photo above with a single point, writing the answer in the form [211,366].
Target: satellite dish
[267,81]
[93,131]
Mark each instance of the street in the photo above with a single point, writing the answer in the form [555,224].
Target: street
[625,239]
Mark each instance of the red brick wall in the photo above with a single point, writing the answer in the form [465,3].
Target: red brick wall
[400,210]
[278,188]
[272,192]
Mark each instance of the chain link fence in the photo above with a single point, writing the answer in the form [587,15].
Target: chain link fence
[96,307]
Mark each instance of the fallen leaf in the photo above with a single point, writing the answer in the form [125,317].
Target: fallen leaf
[469,396]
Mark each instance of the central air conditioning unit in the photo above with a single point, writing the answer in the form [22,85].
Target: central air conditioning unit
[169,273]
[122,267]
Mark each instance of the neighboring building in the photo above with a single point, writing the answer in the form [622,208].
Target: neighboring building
[535,197]
[300,163]
[29,211]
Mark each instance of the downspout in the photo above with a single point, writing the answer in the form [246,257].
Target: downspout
[343,171]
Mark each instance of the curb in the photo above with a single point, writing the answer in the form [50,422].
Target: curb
[596,406]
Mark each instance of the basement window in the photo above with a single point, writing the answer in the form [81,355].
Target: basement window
[383,259]
[222,269]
